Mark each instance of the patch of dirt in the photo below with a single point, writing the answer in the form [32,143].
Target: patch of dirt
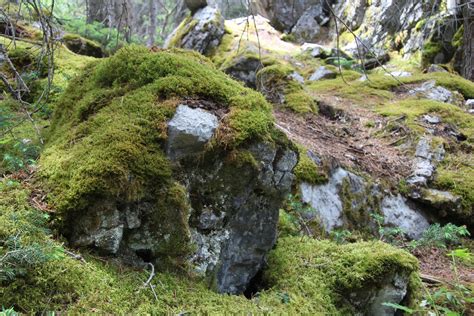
[434,263]
[348,137]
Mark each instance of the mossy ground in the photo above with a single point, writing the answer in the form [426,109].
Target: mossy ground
[301,277]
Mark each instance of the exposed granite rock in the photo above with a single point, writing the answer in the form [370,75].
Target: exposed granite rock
[202,34]
[326,199]
[398,213]
[316,50]
[423,167]
[195,5]
[393,290]
[188,131]
[431,91]
[435,68]
[307,27]
[244,68]
[322,73]
[235,213]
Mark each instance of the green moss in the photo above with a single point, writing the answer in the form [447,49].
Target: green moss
[455,173]
[83,46]
[107,135]
[413,109]
[430,50]
[307,171]
[458,38]
[276,83]
[445,79]
[318,276]
[181,31]
[288,38]
[354,90]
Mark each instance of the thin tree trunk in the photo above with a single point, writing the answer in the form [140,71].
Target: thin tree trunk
[468,49]
[153,22]
[96,11]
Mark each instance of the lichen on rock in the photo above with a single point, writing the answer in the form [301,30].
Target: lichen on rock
[144,143]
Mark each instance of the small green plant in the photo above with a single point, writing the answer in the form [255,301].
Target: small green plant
[391,235]
[449,299]
[340,61]
[441,236]
[340,236]
[300,214]
[8,312]
[22,154]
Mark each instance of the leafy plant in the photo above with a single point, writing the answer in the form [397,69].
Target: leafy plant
[441,236]
[340,236]
[392,235]
[300,214]
[8,312]
[22,154]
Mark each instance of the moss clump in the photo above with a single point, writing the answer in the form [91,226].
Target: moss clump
[107,136]
[430,50]
[318,276]
[276,83]
[307,170]
[445,79]
[83,46]
[456,172]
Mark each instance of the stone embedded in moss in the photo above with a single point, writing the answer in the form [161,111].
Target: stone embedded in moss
[201,32]
[320,277]
[83,46]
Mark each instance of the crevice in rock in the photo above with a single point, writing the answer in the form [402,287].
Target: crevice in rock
[256,285]
[145,255]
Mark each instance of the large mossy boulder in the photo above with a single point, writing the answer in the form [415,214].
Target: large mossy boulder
[132,177]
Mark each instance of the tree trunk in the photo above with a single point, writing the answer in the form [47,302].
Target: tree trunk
[153,23]
[97,11]
[468,49]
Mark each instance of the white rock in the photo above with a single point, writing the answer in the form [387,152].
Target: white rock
[188,131]
[397,213]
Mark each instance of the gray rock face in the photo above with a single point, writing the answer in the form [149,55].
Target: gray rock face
[397,213]
[435,68]
[431,91]
[381,19]
[284,16]
[219,216]
[470,104]
[399,74]
[203,35]
[423,165]
[326,199]
[235,214]
[195,5]
[440,200]
[101,229]
[188,131]
[297,77]
[392,290]
[307,27]
[244,68]
[322,73]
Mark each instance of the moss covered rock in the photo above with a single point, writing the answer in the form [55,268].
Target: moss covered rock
[116,189]
[202,32]
[83,46]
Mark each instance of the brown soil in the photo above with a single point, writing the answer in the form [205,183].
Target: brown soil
[343,135]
